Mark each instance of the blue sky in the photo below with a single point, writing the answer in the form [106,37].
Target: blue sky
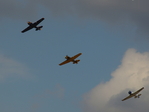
[31,79]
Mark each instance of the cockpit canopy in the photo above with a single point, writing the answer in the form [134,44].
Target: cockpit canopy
[29,23]
[67,57]
[130,92]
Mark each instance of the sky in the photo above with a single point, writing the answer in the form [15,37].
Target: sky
[112,36]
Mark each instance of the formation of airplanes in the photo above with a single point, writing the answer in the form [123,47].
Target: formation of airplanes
[72,59]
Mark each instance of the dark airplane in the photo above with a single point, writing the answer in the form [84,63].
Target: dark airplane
[34,25]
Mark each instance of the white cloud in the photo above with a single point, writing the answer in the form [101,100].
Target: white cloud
[132,74]
[10,68]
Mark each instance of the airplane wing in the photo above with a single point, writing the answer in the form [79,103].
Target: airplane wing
[133,94]
[72,58]
[138,91]
[128,97]
[26,29]
[39,21]
[64,62]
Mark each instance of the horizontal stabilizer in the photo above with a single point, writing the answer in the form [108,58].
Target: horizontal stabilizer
[39,28]
[76,61]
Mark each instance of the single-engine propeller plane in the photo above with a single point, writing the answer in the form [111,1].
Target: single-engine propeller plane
[34,25]
[135,94]
[71,59]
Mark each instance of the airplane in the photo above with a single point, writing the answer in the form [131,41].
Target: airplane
[33,25]
[135,94]
[71,59]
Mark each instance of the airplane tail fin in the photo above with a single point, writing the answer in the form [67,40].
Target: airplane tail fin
[39,28]
[76,61]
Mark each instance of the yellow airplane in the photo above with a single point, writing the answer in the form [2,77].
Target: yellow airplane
[71,59]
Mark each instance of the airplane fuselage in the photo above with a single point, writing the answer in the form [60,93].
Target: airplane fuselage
[32,25]
[69,58]
[135,96]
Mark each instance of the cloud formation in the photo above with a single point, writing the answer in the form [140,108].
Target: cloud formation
[10,68]
[114,10]
[110,11]
[132,74]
